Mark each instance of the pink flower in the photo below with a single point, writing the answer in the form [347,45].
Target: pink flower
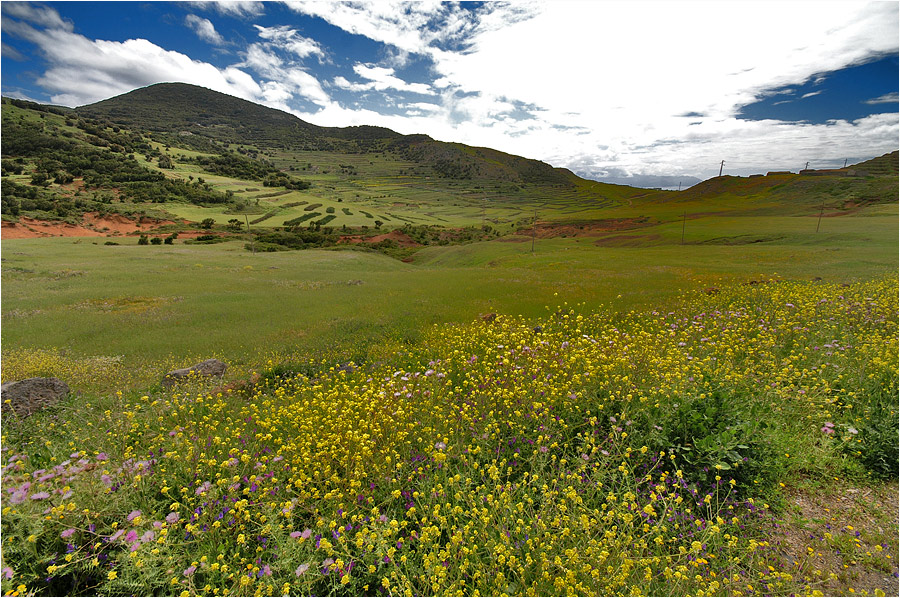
[131,536]
[40,496]
[172,517]
[189,571]
[306,534]
[301,569]
[134,515]
[67,533]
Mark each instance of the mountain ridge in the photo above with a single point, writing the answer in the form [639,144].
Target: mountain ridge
[181,108]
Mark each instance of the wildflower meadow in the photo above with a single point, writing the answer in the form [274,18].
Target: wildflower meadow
[583,453]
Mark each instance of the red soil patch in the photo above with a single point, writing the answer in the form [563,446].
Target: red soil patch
[92,225]
[402,239]
[593,228]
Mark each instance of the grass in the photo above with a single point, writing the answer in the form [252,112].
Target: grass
[300,301]
[528,457]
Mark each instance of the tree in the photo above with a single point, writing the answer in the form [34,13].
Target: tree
[165,162]
[234,224]
[207,223]
[378,223]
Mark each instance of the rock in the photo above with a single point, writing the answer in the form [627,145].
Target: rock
[209,368]
[32,394]
[711,290]
[488,317]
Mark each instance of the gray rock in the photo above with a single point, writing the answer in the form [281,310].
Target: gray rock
[212,368]
[32,394]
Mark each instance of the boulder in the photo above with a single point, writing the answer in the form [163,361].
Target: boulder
[211,368]
[25,397]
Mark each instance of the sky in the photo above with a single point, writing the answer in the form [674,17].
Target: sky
[642,93]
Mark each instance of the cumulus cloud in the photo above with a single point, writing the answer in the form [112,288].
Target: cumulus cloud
[204,29]
[579,67]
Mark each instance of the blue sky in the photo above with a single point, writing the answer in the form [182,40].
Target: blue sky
[640,92]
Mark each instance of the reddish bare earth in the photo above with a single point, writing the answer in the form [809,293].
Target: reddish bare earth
[92,225]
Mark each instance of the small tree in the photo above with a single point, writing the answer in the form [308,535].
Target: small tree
[156,241]
[234,225]
[378,223]
[207,223]
[143,240]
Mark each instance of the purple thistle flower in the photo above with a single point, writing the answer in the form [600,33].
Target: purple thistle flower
[301,569]
[134,515]
[67,532]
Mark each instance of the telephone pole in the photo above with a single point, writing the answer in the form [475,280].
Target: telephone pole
[721,166]
[820,215]
[806,167]
[845,162]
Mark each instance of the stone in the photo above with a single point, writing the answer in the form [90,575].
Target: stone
[211,368]
[27,396]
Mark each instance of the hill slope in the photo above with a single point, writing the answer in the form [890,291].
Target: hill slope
[182,109]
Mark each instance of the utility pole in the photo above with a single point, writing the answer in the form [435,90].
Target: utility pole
[806,167]
[721,166]
[679,185]
[820,215]
[845,162]
[683,222]
[533,229]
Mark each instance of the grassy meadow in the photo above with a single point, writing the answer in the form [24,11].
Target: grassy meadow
[640,419]
[621,392]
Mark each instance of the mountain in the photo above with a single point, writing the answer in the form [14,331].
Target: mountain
[182,109]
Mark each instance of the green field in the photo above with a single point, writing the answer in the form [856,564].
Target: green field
[568,388]
[79,295]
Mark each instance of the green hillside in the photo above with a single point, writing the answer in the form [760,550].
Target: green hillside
[182,109]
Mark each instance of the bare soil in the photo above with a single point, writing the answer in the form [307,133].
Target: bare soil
[92,225]
[845,538]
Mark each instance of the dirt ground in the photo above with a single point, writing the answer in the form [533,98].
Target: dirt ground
[845,538]
[92,225]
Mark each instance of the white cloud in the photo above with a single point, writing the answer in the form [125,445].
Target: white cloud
[382,78]
[289,40]
[810,94]
[621,73]
[410,26]
[38,15]
[888,98]
[232,8]
[204,29]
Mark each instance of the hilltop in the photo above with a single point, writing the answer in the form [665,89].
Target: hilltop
[183,109]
